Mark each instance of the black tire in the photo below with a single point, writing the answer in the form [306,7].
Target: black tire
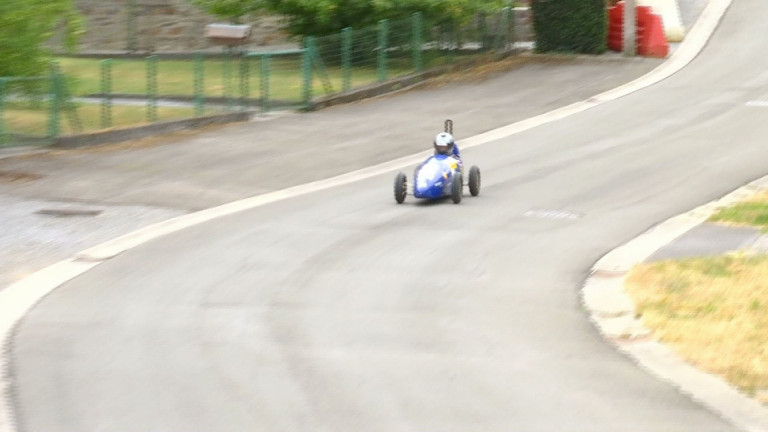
[401,187]
[474,181]
[457,188]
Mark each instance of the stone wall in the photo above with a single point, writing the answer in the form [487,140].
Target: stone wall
[157,26]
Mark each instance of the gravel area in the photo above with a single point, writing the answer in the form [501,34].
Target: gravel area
[36,234]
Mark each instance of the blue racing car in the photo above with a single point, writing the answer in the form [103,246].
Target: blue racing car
[441,175]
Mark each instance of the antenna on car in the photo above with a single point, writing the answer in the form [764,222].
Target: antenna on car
[449,126]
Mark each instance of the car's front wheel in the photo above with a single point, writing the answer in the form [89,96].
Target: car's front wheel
[457,188]
[474,181]
[401,187]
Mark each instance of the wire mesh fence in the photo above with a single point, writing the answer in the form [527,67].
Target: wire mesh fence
[86,94]
[359,57]
[31,109]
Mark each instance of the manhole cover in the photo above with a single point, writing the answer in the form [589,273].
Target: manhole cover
[18,176]
[68,212]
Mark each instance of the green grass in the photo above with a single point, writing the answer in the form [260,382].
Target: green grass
[34,121]
[753,212]
[177,77]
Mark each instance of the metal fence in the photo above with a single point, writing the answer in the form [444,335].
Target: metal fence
[85,94]
[33,109]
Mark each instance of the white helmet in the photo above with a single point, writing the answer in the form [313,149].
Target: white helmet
[444,143]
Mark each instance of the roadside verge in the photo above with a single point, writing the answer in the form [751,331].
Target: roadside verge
[613,313]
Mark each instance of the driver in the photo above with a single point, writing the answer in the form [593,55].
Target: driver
[445,145]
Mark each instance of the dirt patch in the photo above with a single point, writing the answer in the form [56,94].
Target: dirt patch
[148,142]
[18,176]
[491,69]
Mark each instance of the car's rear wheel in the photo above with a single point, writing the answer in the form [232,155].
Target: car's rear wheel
[457,188]
[401,187]
[474,181]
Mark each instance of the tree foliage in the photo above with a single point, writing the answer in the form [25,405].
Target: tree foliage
[25,27]
[578,26]
[323,17]
[233,10]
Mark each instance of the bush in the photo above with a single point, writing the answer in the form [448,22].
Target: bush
[25,26]
[578,26]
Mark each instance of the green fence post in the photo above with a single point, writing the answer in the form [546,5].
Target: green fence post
[306,68]
[482,29]
[2,112]
[509,27]
[245,83]
[346,59]
[106,93]
[417,29]
[199,81]
[152,88]
[265,69]
[383,33]
[226,76]
[54,123]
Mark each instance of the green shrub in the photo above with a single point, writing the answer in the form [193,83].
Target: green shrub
[577,26]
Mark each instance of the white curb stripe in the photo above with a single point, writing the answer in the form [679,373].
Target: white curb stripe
[15,302]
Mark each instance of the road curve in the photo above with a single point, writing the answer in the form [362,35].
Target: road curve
[340,310]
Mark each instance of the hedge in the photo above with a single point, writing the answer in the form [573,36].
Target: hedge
[577,26]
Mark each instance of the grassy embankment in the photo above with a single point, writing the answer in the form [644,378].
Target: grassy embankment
[176,78]
[713,311]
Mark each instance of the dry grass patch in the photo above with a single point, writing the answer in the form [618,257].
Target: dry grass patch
[711,311]
[136,144]
[484,71]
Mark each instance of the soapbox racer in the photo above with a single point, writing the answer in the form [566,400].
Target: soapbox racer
[437,177]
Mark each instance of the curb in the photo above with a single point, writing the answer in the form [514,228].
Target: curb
[613,313]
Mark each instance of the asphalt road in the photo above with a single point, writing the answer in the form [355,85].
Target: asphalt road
[225,164]
[339,310]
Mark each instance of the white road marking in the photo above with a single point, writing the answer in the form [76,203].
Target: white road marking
[553,214]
